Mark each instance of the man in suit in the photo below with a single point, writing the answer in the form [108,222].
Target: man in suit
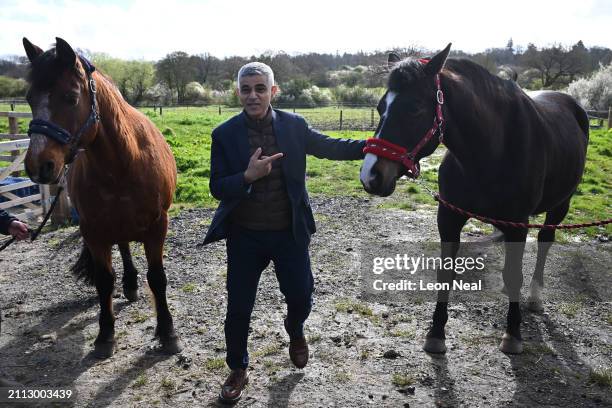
[11,226]
[258,168]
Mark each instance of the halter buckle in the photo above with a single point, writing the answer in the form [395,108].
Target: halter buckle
[440,97]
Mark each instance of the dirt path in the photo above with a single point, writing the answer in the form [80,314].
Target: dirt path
[361,353]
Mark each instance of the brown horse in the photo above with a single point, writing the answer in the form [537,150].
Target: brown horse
[121,179]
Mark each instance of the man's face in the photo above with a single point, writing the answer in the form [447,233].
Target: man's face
[255,95]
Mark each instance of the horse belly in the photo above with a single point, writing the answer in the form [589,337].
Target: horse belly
[117,218]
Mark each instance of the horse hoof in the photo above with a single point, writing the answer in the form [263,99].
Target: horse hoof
[104,350]
[171,346]
[511,345]
[435,345]
[535,305]
[131,295]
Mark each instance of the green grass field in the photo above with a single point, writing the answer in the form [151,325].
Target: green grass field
[188,130]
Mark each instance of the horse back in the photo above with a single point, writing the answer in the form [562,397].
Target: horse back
[563,132]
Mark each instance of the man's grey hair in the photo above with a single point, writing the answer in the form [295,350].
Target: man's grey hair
[256,68]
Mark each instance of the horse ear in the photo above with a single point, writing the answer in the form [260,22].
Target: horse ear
[393,59]
[31,50]
[65,53]
[435,65]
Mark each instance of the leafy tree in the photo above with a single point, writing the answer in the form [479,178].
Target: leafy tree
[176,70]
[142,77]
[132,78]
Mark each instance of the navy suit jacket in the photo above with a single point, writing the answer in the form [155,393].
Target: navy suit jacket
[229,158]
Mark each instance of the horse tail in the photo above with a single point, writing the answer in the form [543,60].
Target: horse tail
[84,267]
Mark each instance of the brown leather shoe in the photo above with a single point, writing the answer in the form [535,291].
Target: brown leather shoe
[298,352]
[231,390]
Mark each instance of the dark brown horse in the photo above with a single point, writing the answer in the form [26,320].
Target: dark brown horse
[510,155]
[121,179]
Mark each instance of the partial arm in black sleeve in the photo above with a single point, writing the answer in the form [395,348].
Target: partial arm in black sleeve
[325,147]
[5,221]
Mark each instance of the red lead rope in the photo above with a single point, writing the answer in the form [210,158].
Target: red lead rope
[502,223]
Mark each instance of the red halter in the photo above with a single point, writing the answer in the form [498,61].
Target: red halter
[391,151]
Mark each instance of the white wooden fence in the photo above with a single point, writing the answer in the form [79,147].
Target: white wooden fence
[13,148]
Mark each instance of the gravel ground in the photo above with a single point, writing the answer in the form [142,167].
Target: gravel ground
[362,353]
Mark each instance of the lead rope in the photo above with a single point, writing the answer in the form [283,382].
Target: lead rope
[34,233]
[502,223]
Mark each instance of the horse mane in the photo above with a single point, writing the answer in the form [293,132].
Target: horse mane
[116,111]
[483,83]
[458,71]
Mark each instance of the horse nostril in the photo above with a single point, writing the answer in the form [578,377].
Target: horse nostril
[375,179]
[46,171]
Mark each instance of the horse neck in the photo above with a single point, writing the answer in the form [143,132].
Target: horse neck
[115,144]
[474,125]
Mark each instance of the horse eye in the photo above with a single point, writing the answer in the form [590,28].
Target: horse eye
[71,100]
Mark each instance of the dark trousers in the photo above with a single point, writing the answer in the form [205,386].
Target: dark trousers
[248,254]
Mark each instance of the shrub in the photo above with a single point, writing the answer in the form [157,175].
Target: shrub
[356,95]
[309,97]
[11,87]
[195,93]
[348,77]
[228,97]
[594,92]
[293,89]
[530,79]
[319,97]
[158,94]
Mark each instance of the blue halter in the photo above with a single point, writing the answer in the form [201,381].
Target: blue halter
[61,135]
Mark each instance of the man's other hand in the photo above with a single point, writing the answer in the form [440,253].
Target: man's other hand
[19,230]
[259,166]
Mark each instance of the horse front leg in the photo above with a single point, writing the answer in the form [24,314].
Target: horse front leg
[104,279]
[449,227]
[130,273]
[512,342]
[156,277]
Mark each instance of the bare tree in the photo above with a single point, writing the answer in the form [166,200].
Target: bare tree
[557,65]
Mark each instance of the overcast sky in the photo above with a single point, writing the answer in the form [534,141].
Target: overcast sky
[145,29]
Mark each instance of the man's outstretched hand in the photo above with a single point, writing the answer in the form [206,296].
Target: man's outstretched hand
[259,166]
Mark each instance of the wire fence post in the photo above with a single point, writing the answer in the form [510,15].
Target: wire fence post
[372,118]
[609,117]
[219,109]
[340,119]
